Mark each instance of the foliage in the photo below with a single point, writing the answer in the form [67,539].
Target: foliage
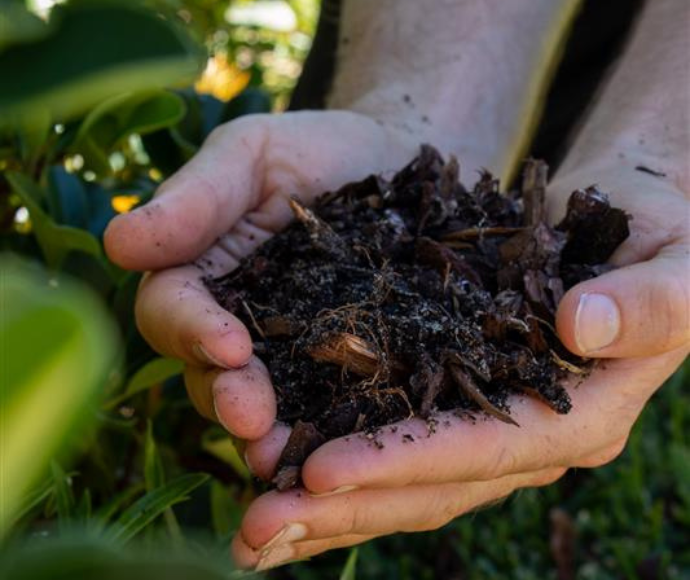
[106,470]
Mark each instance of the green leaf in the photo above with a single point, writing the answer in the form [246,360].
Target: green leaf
[18,25]
[154,476]
[56,241]
[64,497]
[57,345]
[152,373]
[112,121]
[31,501]
[350,570]
[104,514]
[93,51]
[153,504]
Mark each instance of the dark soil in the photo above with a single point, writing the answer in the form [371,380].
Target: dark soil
[395,299]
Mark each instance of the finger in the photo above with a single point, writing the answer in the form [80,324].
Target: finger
[277,522]
[463,450]
[637,310]
[245,557]
[242,400]
[263,454]
[199,203]
[178,316]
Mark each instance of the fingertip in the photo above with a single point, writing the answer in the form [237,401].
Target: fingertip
[117,242]
[262,455]
[242,555]
[244,401]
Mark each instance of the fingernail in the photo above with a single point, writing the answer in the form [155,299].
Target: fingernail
[597,322]
[247,462]
[336,491]
[276,557]
[206,356]
[293,532]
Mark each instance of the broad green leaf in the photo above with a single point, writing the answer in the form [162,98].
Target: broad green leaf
[350,570]
[57,345]
[152,373]
[153,504]
[18,25]
[56,241]
[112,121]
[225,449]
[32,500]
[94,50]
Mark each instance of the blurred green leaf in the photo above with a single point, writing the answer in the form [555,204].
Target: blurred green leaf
[154,476]
[152,373]
[34,134]
[112,121]
[32,500]
[57,345]
[153,504]
[105,513]
[56,241]
[64,497]
[350,570]
[85,59]
[18,25]
[84,557]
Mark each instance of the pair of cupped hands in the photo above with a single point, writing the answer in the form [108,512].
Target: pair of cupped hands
[233,195]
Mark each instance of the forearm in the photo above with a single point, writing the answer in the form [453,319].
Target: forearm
[642,115]
[467,76]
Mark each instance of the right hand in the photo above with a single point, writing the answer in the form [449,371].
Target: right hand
[231,197]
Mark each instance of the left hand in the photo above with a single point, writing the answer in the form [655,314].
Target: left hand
[638,316]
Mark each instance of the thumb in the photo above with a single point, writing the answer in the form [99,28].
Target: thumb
[638,310]
[195,206]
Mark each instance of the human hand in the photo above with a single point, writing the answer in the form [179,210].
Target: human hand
[225,202]
[403,485]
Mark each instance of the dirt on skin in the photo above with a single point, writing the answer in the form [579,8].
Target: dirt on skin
[393,299]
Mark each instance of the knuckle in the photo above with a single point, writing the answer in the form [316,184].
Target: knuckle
[670,302]
[441,508]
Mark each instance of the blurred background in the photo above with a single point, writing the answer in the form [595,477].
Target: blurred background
[105,468]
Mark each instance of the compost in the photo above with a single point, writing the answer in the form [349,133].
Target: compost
[397,298]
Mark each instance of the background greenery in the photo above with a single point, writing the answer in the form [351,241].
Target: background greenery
[105,469]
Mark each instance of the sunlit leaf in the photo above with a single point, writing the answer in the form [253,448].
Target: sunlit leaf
[153,504]
[94,50]
[18,25]
[57,345]
[115,119]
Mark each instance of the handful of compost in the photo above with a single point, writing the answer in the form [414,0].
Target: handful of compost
[396,298]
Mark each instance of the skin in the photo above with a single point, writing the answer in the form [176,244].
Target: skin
[232,196]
